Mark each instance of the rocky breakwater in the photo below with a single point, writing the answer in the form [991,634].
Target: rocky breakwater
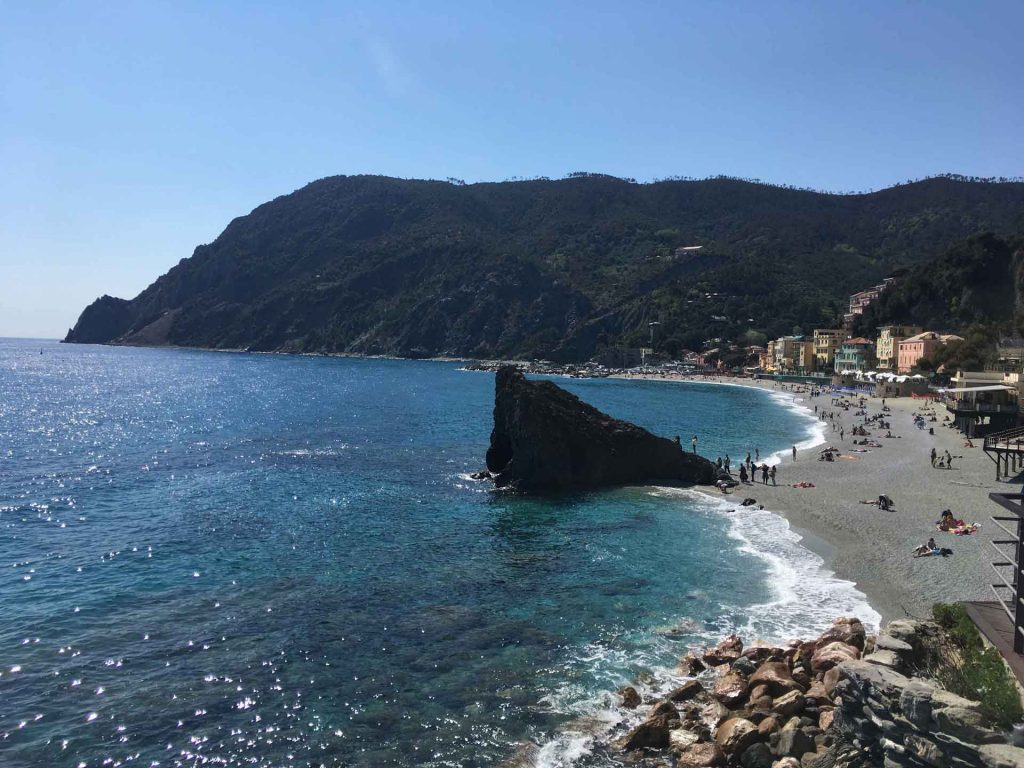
[844,700]
[545,438]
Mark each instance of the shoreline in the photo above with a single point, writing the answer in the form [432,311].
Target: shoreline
[860,543]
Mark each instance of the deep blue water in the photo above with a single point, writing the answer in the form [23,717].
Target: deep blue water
[258,560]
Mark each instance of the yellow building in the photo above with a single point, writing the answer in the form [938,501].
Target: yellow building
[793,354]
[768,358]
[887,346]
[826,342]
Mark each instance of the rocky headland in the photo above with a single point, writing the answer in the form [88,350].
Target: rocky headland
[546,439]
[845,699]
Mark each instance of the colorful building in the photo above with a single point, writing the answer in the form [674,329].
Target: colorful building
[860,301]
[794,354]
[855,355]
[887,345]
[912,349]
[827,342]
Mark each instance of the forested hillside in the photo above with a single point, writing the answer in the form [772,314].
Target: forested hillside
[976,281]
[541,269]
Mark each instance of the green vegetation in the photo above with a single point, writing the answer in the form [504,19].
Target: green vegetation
[541,268]
[971,670]
[974,289]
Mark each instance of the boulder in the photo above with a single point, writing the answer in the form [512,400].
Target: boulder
[886,642]
[546,439]
[886,659]
[1001,756]
[744,666]
[828,656]
[715,712]
[704,755]
[757,755]
[679,739]
[794,741]
[846,630]
[690,665]
[689,690]
[759,653]
[774,675]
[767,727]
[786,762]
[826,718]
[817,693]
[630,697]
[652,733]
[735,735]
[829,680]
[731,690]
[788,704]
[726,652]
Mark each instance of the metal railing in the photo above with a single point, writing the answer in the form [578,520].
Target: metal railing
[1006,449]
[1008,592]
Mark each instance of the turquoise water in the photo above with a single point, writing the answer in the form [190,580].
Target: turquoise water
[254,560]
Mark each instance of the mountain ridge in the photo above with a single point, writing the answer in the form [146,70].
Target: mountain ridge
[540,268]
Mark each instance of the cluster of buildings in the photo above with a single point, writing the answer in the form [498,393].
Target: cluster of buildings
[860,300]
[898,348]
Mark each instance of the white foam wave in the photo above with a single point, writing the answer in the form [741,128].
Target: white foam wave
[805,597]
[815,428]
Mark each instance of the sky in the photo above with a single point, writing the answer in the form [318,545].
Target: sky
[132,132]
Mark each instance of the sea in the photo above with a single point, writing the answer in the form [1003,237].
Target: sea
[233,559]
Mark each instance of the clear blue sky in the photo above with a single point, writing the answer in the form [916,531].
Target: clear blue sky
[132,132]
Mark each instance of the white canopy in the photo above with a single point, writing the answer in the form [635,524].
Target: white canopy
[989,388]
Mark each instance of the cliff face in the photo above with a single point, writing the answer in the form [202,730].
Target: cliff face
[545,438]
[103,320]
[540,269]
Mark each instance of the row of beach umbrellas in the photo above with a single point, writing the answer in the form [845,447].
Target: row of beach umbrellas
[881,375]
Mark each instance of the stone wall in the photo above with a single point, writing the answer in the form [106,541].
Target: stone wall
[897,720]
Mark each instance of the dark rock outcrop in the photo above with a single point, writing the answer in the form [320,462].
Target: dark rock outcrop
[545,438]
[102,321]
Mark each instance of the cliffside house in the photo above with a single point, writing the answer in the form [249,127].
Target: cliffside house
[855,355]
[887,345]
[860,300]
[827,342]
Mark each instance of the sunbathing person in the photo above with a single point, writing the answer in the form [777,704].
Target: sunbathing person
[931,548]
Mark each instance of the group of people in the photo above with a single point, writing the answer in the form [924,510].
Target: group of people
[943,462]
[767,473]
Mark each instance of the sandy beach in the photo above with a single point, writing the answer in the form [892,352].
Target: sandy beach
[872,547]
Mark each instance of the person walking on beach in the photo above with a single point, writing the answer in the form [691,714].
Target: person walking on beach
[771,474]
[934,455]
[727,462]
[794,453]
[693,443]
[841,433]
[757,454]
[764,474]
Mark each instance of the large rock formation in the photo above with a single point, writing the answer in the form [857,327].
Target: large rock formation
[545,438]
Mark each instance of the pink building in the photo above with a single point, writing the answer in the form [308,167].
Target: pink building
[913,349]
